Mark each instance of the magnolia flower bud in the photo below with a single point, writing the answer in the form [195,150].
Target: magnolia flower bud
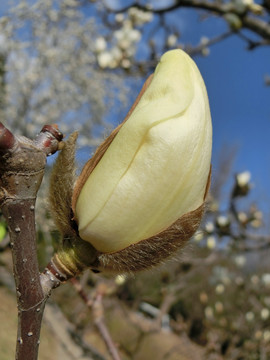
[142,193]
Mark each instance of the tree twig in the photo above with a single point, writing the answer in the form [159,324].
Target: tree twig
[258,25]
[97,308]
[192,51]
[22,164]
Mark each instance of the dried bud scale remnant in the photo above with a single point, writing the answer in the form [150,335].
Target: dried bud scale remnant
[7,139]
[141,196]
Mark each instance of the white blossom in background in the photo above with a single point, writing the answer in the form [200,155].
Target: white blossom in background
[105,59]
[204,40]
[265,313]
[139,17]
[120,280]
[242,217]
[126,39]
[119,17]
[214,205]
[258,215]
[209,313]
[51,72]
[205,49]
[126,63]
[100,44]
[220,288]
[127,35]
[223,221]
[172,40]
[243,178]
[240,261]
[122,49]
[266,279]
[250,316]
[266,335]
[198,236]
[257,219]
[209,227]
[123,41]
[211,242]
[256,223]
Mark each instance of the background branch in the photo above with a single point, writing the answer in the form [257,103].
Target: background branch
[97,308]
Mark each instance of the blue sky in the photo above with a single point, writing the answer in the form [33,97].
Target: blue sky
[240,108]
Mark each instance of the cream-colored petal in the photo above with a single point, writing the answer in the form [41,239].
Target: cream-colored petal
[167,95]
[156,168]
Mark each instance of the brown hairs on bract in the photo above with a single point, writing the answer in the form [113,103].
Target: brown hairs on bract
[92,163]
[61,186]
[154,250]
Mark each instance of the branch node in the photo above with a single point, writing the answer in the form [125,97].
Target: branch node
[48,139]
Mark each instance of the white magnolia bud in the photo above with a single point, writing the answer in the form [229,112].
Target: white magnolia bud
[154,169]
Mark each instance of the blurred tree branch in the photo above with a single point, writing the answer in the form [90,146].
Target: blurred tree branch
[96,306]
[249,21]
